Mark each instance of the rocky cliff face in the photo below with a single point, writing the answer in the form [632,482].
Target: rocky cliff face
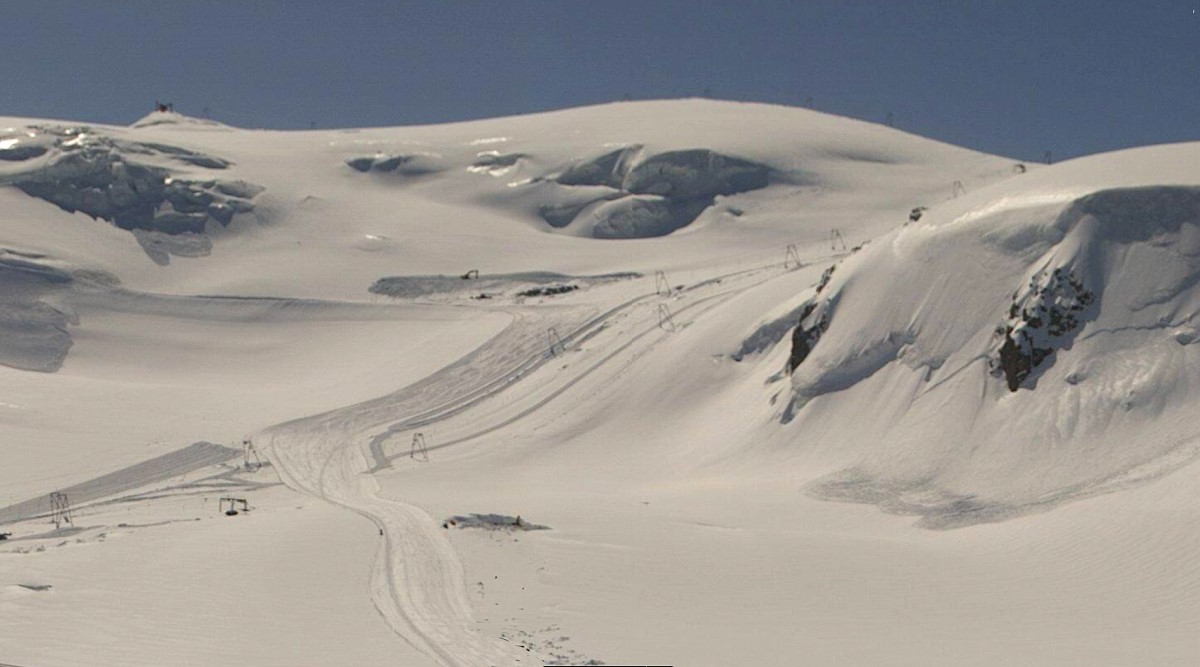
[809,329]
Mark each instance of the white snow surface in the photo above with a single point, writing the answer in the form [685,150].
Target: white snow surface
[215,285]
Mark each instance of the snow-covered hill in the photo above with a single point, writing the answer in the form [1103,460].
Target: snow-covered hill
[1032,340]
[665,332]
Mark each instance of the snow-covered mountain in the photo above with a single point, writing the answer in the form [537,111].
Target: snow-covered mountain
[661,333]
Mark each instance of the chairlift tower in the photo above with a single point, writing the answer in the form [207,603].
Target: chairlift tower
[791,258]
[60,509]
[250,460]
[835,238]
[958,189]
[661,284]
[418,452]
[556,342]
[665,321]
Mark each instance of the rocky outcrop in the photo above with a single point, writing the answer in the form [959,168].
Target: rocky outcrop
[1042,319]
[806,335]
[811,325]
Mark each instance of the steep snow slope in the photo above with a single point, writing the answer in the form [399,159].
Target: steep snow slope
[1033,339]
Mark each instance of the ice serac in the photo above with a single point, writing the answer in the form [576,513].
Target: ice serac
[146,188]
[1013,356]
[627,193]
[403,164]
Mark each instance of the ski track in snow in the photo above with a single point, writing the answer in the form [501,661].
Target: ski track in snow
[168,466]
[709,302]
[417,580]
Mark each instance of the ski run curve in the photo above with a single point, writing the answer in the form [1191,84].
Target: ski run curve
[417,580]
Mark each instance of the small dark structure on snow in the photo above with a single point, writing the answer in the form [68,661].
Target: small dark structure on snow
[233,503]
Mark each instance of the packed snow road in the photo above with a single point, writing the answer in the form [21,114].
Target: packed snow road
[609,358]
[417,579]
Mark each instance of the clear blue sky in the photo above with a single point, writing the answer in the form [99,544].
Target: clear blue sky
[1006,77]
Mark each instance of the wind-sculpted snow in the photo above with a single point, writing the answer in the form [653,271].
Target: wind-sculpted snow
[628,194]
[407,164]
[1089,307]
[495,163]
[620,194]
[134,185]
[33,329]
[608,170]
[768,334]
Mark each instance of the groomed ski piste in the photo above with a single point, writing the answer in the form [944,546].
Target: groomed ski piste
[624,384]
